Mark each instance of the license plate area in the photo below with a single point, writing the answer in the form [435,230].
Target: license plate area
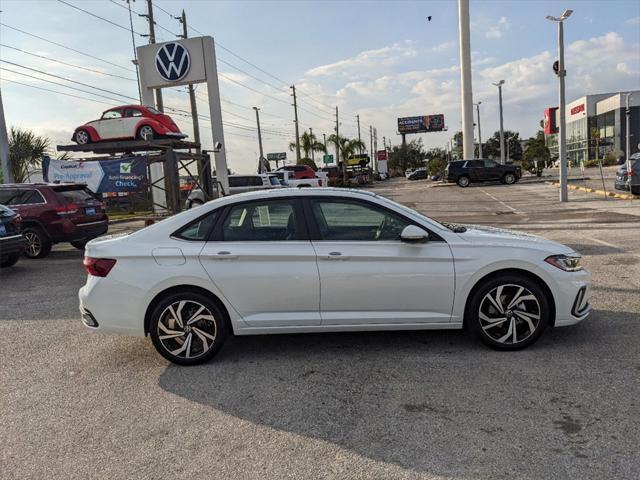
[3,229]
[90,211]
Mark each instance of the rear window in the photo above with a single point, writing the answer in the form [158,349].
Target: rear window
[274,180]
[74,194]
[238,181]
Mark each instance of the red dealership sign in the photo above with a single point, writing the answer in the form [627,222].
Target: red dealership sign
[382,154]
[577,109]
[550,120]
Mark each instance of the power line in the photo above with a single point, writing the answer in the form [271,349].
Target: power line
[98,16]
[69,80]
[67,64]
[67,48]
[253,89]
[55,91]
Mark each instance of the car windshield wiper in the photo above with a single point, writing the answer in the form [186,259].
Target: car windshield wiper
[454,227]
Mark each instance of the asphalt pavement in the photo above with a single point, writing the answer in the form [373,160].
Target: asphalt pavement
[399,405]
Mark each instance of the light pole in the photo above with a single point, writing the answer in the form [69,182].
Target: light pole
[479,132]
[628,142]
[465,80]
[562,131]
[499,85]
[261,161]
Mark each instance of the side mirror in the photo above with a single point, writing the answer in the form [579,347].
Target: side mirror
[413,234]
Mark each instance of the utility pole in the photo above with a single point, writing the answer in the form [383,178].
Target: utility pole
[371,140]
[152,39]
[295,113]
[628,140]
[192,93]
[359,139]
[261,160]
[479,132]
[324,137]
[344,165]
[375,147]
[384,142]
[4,147]
[465,78]
[499,85]
[313,156]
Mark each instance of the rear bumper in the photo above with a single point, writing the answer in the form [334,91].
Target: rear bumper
[67,231]
[12,245]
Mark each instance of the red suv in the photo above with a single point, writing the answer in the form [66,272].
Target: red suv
[299,171]
[53,213]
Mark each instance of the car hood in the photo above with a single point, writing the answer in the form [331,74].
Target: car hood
[483,235]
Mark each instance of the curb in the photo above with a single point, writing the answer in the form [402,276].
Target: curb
[622,196]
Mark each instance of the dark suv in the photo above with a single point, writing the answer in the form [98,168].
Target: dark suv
[54,213]
[11,240]
[464,172]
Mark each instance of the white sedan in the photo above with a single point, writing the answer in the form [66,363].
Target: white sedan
[324,260]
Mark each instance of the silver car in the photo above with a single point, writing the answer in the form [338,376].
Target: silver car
[237,184]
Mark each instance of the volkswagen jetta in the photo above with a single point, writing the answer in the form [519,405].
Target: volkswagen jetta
[324,260]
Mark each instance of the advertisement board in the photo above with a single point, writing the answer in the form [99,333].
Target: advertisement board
[422,124]
[382,155]
[550,120]
[126,174]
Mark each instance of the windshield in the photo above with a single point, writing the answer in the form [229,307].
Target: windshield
[415,212]
[274,180]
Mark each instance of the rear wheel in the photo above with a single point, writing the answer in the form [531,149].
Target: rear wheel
[9,260]
[82,137]
[463,181]
[146,133]
[509,178]
[509,312]
[38,243]
[187,328]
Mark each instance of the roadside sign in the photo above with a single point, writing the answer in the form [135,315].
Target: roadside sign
[421,124]
[327,158]
[276,157]
[382,155]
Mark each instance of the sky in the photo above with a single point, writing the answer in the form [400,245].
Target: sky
[377,59]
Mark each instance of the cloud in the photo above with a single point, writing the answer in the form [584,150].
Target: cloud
[633,21]
[443,47]
[385,56]
[498,30]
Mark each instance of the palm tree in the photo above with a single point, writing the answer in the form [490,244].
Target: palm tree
[308,144]
[347,148]
[26,150]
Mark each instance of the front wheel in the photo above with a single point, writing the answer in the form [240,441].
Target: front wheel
[463,182]
[82,137]
[509,312]
[509,178]
[187,328]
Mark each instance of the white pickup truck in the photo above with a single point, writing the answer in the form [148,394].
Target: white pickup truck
[288,179]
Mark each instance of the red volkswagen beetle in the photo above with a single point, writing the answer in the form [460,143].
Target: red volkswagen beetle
[127,122]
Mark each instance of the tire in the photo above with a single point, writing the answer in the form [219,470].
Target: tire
[509,178]
[82,137]
[463,181]
[9,260]
[496,328]
[206,334]
[145,133]
[79,244]
[38,243]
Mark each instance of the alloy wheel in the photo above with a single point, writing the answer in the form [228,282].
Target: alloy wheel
[34,244]
[82,137]
[463,181]
[187,329]
[146,133]
[509,314]
[509,178]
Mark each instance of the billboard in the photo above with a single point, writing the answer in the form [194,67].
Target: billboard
[382,155]
[424,123]
[549,124]
[126,174]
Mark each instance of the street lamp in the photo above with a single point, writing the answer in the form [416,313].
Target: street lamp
[562,131]
[499,85]
[479,133]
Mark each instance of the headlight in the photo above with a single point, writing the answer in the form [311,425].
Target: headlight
[568,263]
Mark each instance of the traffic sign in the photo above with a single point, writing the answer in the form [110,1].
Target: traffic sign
[327,158]
[276,157]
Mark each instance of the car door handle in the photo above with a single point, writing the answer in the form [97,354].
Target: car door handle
[336,256]
[224,255]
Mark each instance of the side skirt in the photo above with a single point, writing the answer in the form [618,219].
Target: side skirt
[345,328]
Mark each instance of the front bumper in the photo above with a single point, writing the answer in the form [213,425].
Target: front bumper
[572,300]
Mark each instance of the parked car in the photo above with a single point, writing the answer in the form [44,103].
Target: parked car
[419,174]
[12,243]
[300,171]
[128,122]
[237,184]
[53,213]
[332,172]
[288,179]
[325,260]
[622,175]
[464,172]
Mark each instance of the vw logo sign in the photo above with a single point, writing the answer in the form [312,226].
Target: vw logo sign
[173,61]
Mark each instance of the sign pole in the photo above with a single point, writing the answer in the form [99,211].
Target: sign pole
[4,147]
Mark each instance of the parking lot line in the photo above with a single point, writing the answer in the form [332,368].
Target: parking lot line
[517,212]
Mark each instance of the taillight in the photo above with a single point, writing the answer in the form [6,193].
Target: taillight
[631,173]
[68,209]
[98,267]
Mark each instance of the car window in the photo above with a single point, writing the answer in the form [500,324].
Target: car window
[74,195]
[489,163]
[112,114]
[198,230]
[274,180]
[6,195]
[26,197]
[238,181]
[344,220]
[132,112]
[152,110]
[261,221]
[255,181]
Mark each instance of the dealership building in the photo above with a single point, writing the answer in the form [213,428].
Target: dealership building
[595,123]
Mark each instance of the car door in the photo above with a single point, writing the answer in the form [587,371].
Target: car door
[261,260]
[369,276]
[130,121]
[492,170]
[110,125]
